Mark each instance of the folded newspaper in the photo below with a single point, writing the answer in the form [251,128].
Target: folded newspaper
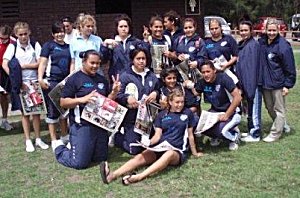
[145,117]
[207,120]
[158,59]
[105,113]
[163,146]
[55,95]
[187,73]
[218,62]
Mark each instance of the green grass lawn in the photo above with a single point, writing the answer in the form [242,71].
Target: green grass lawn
[255,170]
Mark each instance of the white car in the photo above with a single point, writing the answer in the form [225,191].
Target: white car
[225,26]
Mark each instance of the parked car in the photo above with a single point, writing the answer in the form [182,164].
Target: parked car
[295,26]
[225,26]
[260,25]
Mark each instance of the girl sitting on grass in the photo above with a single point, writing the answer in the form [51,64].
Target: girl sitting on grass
[173,125]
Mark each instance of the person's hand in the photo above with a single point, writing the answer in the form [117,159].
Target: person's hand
[188,84]
[116,84]
[151,97]
[223,117]
[193,64]
[181,57]
[88,98]
[132,102]
[168,54]
[146,142]
[110,43]
[285,91]
[146,33]
[44,84]
[198,154]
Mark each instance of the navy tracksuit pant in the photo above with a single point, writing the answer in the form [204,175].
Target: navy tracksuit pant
[88,144]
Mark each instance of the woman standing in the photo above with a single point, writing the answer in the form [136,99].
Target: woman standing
[85,41]
[117,50]
[173,125]
[190,46]
[278,76]
[172,24]
[247,70]
[136,82]
[54,67]
[28,58]
[88,142]
[220,44]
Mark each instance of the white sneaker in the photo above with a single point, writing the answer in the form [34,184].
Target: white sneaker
[56,143]
[29,146]
[233,146]
[65,138]
[215,142]
[6,126]
[244,134]
[41,144]
[270,138]
[250,138]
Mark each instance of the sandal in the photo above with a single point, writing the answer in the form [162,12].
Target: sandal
[103,171]
[127,178]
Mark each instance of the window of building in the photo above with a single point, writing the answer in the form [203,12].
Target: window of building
[9,9]
[113,7]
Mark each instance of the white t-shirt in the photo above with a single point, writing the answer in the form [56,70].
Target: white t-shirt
[27,55]
[68,37]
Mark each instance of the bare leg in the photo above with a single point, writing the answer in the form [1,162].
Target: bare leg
[168,158]
[36,125]
[145,158]
[26,126]
[64,127]
[52,131]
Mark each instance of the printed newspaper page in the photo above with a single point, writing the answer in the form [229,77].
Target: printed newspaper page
[207,120]
[32,99]
[55,95]
[158,60]
[145,117]
[163,146]
[105,113]
[218,62]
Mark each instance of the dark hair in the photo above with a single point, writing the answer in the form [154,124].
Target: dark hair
[249,23]
[66,19]
[124,17]
[85,55]
[167,71]
[134,52]
[57,27]
[173,16]
[5,30]
[215,21]
[209,63]
[155,18]
[189,19]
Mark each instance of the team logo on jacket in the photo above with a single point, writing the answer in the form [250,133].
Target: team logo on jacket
[191,49]
[183,117]
[131,47]
[218,88]
[224,43]
[271,55]
[100,85]
[150,83]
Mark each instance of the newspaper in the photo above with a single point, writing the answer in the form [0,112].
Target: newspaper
[207,120]
[145,117]
[55,95]
[158,60]
[163,146]
[32,99]
[218,62]
[2,90]
[187,73]
[105,113]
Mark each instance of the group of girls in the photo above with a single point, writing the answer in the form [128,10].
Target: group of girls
[130,80]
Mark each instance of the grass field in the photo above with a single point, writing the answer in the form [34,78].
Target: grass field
[255,170]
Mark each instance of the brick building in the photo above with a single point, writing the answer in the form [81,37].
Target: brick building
[41,14]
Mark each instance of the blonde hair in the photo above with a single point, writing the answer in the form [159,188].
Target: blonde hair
[272,21]
[85,19]
[21,25]
[175,93]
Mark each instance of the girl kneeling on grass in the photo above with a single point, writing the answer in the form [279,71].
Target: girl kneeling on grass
[173,125]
